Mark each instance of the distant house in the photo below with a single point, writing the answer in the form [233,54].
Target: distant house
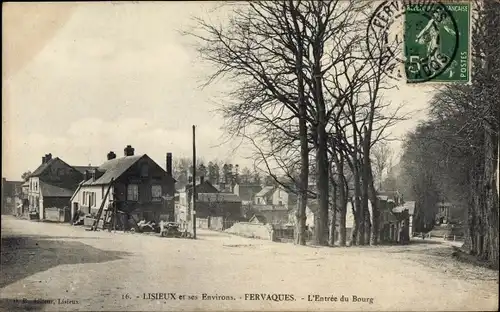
[247,192]
[226,205]
[275,195]
[265,196]
[275,204]
[450,213]
[184,199]
[51,185]
[11,196]
[405,213]
[138,186]
[24,209]
[203,186]
[210,203]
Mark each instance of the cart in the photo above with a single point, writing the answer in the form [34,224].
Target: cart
[171,229]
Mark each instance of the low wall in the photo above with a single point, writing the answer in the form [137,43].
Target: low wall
[251,230]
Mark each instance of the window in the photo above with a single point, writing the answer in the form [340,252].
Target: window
[133,192]
[84,199]
[155,192]
[144,170]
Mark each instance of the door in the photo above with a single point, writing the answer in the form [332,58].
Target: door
[73,212]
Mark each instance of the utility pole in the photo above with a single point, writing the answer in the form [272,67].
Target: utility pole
[195,197]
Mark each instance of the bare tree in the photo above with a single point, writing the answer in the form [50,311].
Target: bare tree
[262,51]
[302,85]
[382,160]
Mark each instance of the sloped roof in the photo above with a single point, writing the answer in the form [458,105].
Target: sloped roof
[259,218]
[82,169]
[114,168]
[218,197]
[248,191]
[205,187]
[49,190]
[265,191]
[38,171]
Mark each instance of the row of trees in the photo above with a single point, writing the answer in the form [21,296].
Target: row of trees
[454,155]
[307,95]
[217,172]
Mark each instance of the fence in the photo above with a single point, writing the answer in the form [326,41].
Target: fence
[444,236]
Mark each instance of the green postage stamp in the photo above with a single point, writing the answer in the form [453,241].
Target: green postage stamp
[437,42]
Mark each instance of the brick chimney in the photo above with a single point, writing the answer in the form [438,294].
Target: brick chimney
[111,155]
[86,175]
[169,164]
[128,151]
[48,157]
[43,160]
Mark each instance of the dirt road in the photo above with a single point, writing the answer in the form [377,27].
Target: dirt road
[56,267]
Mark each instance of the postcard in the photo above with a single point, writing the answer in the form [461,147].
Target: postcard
[337,155]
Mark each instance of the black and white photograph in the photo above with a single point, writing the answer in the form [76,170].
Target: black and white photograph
[287,155]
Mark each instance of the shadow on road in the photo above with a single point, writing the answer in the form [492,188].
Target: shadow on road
[22,256]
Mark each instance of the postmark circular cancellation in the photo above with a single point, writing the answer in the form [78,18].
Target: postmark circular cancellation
[414,41]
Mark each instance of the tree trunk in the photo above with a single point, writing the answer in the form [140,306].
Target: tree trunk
[333,220]
[491,72]
[342,199]
[354,230]
[490,194]
[321,221]
[375,233]
[304,148]
[359,216]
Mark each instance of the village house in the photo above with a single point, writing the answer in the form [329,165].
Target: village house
[11,196]
[220,210]
[247,192]
[276,196]
[136,185]
[274,203]
[24,208]
[50,188]
[184,202]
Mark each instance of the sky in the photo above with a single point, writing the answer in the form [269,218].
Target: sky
[82,79]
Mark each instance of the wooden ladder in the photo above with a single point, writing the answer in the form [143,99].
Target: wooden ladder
[101,208]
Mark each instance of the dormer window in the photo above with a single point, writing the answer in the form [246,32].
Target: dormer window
[144,170]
